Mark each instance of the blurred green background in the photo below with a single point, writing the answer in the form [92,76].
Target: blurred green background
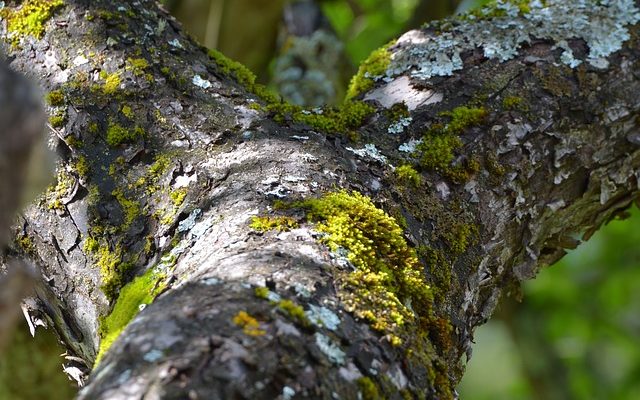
[576,335]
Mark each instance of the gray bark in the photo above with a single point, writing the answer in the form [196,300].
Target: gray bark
[555,156]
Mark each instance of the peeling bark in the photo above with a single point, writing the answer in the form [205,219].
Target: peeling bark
[178,156]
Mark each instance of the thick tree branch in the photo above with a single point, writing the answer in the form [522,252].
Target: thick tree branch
[167,158]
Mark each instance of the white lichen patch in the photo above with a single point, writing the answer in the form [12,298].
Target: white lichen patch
[398,126]
[200,82]
[330,349]
[602,24]
[369,151]
[410,146]
[322,317]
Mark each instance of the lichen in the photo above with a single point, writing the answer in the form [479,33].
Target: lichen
[373,67]
[501,30]
[387,273]
[142,290]
[264,224]
[30,18]
[250,326]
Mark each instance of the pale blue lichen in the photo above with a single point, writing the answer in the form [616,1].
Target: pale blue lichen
[322,317]
[602,24]
[369,151]
[398,126]
[201,82]
[330,349]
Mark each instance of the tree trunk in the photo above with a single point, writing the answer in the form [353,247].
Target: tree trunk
[308,255]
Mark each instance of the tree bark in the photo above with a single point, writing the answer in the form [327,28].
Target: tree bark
[528,146]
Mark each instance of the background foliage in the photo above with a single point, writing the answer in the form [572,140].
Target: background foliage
[575,335]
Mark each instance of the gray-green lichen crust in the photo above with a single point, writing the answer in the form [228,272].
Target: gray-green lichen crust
[601,24]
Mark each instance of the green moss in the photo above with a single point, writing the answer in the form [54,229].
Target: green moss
[112,268]
[138,65]
[437,151]
[111,83]
[58,120]
[348,117]
[177,196]
[55,193]
[387,273]
[82,167]
[397,112]
[439,269]
[439,144]
[25,243]
[491,10]
[141,290]
[368,389]
[264,224]
[295,312]
[463,117]
[30,18]
[117,134]
[127,111]
[159,166]
[165,71]
[130,208]
[242,74]
[512,102]
[262,292]
[374,66]
[408,175]
[55,98]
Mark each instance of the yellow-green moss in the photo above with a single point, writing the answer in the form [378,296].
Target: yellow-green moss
[111,83]
[463,117]
[55,98]
[264,224]
[295,311]
[81,166]
[490,9]
[374,66]
[127,111]
[242,74]
[349,116]
[26,244]
[262,292]
[387,274]
[250,326]
[397,111]
[512,102]
[30,17]
[141,290]
[368,389]
[177,196]
[130,208]
[408,175]
[55,193]
[437,151]
[58,119]
[138,65]
[439,144]
[112,267]
[117,134]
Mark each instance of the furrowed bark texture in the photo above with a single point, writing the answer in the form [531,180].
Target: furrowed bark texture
[166,158]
